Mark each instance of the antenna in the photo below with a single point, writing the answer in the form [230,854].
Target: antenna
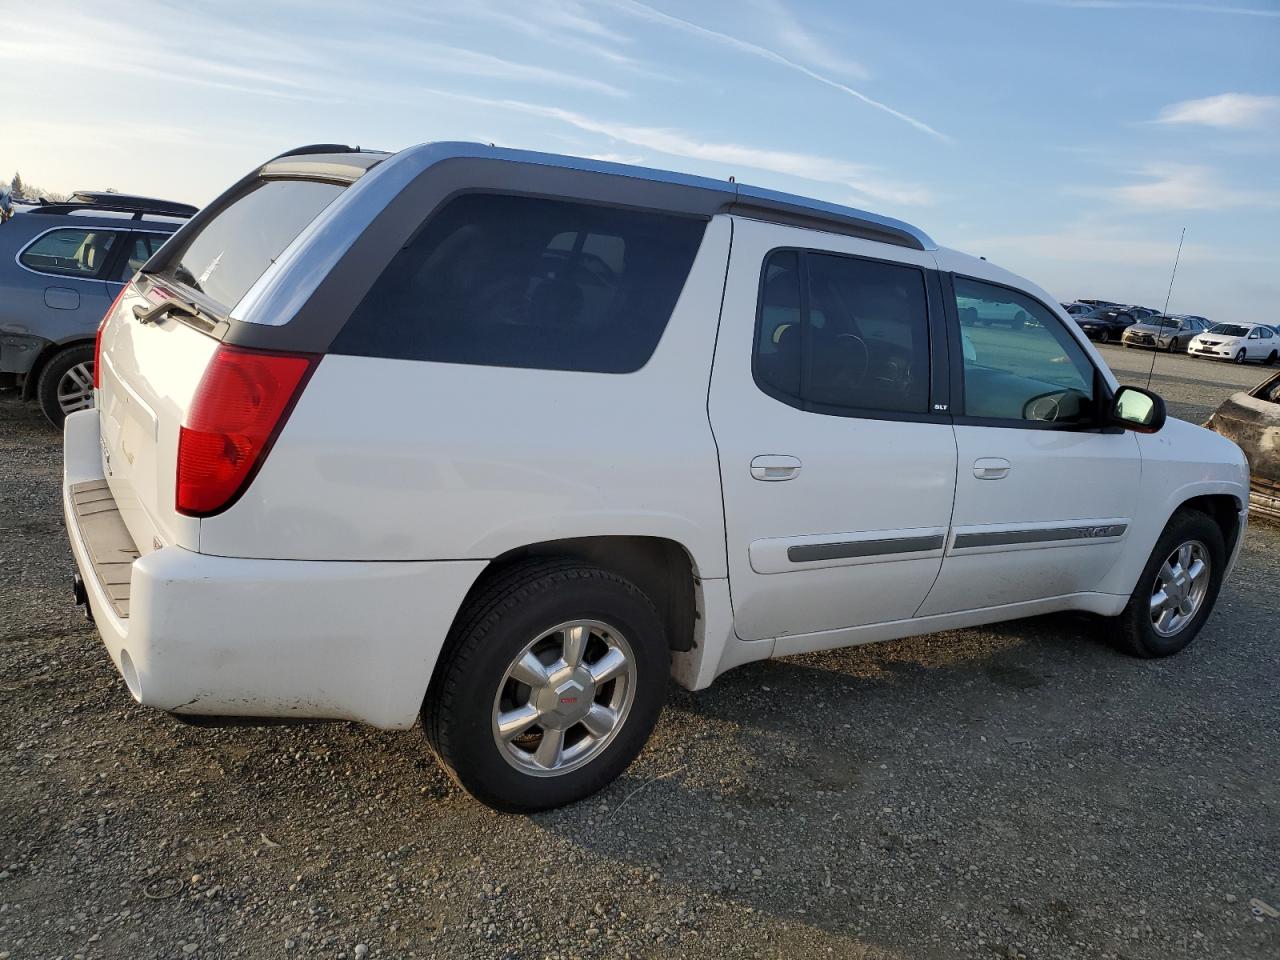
[1155,348]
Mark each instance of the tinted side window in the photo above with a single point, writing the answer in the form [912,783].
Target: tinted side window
[526,282]
[1019,361]
[230,252]
[71,252]
[861,343]
[140,248]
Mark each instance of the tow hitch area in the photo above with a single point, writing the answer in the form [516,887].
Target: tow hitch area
[82,597]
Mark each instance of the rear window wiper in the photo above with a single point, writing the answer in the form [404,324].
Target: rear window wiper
[170,304]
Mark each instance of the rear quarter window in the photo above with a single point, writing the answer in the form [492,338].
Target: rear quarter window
[509,281]
[232,250]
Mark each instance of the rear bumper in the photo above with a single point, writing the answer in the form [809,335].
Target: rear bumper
[228,637]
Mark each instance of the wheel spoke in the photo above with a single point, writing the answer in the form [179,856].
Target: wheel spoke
[1159,600]
[575,644]
[1166,618]
[512,723]
[529,669]
[1184,557]
[600,720]
[548,752]
[1196,570]
[1166,574]
[611,665]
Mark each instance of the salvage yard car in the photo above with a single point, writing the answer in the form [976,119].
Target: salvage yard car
[1164,333]
[1105,324]
[1240,342]
[1252,420]
[61,264]
[504,439]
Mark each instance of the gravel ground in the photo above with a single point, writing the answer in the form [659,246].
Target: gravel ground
[1016,791]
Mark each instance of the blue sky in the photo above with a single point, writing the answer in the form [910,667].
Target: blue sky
[1069,141]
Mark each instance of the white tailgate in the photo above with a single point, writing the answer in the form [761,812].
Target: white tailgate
[150,372]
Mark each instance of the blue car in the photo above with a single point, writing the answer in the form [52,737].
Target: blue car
[61,266]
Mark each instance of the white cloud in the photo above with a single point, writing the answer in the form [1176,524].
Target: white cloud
[807,47]
[645,12]
[861,179]
[1227,110]
[1177,186]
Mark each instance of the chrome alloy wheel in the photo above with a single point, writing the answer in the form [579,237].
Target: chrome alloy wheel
[564,698]
[1180,588]
[75,389]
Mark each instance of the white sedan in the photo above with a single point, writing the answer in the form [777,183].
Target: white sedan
[1238,342]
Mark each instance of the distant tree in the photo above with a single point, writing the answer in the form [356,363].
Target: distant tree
[16,186]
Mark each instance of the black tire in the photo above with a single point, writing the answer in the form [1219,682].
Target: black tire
[500,619]
[1271,358]
[51,377]
[1173,345]
[1135,633]
[1104,336]
[1241,355]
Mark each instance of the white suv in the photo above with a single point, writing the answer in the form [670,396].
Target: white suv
[503,439]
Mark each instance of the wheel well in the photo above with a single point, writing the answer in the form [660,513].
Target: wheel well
[661,568]
[42,360]
[1224,509]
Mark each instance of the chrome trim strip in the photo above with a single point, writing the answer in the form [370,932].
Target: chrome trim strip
[1001,538]
[17,257]
[808,553]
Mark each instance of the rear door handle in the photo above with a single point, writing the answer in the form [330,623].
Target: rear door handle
[774,467]
[991,468]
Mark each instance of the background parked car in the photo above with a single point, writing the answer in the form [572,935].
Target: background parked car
[61,265]
[1078,308]
[1164,333]
[1252,420]
[1105,324]
[1237,341]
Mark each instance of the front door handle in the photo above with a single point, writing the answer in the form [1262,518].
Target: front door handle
[774,467]
[991,468]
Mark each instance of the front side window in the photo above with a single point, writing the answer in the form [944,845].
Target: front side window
[71,252]
[1034,370]
[232,250]
[507,281]
[861,343]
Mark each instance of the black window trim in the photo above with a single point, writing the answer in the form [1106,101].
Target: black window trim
[1102,390]
[938,348]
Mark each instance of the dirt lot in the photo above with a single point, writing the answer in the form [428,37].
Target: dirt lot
[1019,791]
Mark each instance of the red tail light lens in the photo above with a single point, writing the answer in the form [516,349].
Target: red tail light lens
[97,339]
[242,403]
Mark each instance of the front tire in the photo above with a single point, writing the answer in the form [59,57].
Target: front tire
[550,684]
[66,383]
[1242,355]
[1104,336]
[1177,589]
[1271,358]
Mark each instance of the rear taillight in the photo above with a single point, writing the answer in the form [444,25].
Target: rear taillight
[242,403]
[97,339]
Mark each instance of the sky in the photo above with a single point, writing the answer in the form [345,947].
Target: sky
[1067,140]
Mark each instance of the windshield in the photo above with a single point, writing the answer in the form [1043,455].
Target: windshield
[1229,330]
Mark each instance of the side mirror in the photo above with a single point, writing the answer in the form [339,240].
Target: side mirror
[1139,410]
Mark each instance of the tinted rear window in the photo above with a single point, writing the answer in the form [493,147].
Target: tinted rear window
[526,282]
[235,248]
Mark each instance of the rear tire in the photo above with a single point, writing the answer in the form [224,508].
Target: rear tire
[485,673]
[1271,358]
[66,383]
[1188,599]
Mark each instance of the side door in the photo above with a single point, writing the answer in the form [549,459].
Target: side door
[1044,497]
[828,403]
[138,249]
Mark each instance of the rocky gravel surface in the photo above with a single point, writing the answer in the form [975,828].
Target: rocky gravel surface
[1020,791]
